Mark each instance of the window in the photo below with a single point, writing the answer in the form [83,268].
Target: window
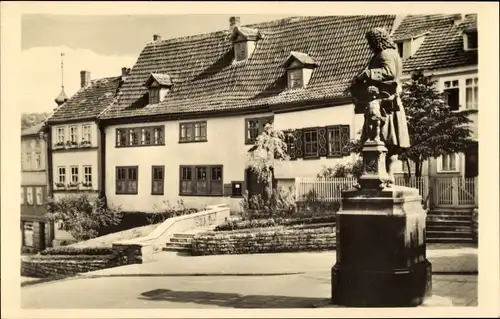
[311,143]
[255,127]
[87,176]
[338,140]
[201,180]
[39,196]
[295,78]
[154,95]
[38,161]
[22,195]
[61,175]
[448,163]
[158,177]
[126,180]
[240,51]
[471,40]
[153,135]
[400,48]
[60,135]
[86,133]
[237,189]
[471,93]
[74,174]
[193,132]
[28,162]
[27,229]
[452,91]
[73,134]
[29,195]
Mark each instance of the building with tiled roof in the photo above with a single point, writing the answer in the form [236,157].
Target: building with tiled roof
[75,148]
[36,230]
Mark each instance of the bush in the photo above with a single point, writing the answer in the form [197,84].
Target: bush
[343,170]
[64,250]
[272,222]
[81,215]
[475,223]
[281,204]
[169,211]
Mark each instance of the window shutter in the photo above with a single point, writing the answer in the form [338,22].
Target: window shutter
[299,144]
[322,141]
[228,189]
[345,139]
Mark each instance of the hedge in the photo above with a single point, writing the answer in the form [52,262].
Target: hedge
[273,222]
[72,251]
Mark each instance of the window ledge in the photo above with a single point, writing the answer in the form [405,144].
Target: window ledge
[202,195]
[193,141]
[139,145]
[157,194]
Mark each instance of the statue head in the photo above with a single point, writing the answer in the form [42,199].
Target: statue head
[379,40]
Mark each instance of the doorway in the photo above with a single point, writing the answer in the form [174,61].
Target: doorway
[41,234]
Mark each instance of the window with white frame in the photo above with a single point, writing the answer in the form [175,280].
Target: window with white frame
[87,175]
[448,163]
[73,134]
[86,133]
[295,78]
[39,196]
[61,175]
[38,161]
[60,135]
[452,91]
[74,174]
[28,161]
[240,51]
[471,93]
[154,95]
[29,195]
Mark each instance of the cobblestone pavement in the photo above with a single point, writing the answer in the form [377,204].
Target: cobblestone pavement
[307,290]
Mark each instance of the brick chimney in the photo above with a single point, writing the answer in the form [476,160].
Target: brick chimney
[84,78]
[234,22]
[156,37]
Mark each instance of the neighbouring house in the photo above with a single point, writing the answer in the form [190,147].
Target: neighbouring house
[446,47]
[36,230]
[191,108]
[75,145]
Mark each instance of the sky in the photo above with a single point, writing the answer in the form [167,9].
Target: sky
[101,45]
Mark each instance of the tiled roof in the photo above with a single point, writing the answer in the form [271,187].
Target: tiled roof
[33,130]
[89,101]
[206,79]
[442,47]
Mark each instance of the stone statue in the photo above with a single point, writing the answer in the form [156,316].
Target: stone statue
[376,93]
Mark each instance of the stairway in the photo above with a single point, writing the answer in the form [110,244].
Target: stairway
[181,242]
[446,226]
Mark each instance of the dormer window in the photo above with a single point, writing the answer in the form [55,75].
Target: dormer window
[299,67]
[158,84]
[407,47]
[243,39]
[470,39]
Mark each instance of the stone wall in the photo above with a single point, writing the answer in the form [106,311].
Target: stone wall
[264,241]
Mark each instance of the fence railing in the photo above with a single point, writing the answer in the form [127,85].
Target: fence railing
[447,191]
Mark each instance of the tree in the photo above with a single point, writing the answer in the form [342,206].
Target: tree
[31,119]
[81,215]
[343,170]
[269,147]
[434,128]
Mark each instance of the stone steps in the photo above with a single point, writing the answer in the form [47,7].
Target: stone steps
[446,226]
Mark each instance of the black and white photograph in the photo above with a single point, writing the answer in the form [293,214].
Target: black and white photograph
[227,159]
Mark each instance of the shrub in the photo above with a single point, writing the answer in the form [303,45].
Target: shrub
[169,211]
[281,204]
[314,205]
[475,223]
[342,170]
[81,215]
[273,222]
[64,250]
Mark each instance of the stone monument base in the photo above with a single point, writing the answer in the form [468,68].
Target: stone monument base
[381,250]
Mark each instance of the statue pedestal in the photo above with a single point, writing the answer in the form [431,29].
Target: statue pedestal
[381,250]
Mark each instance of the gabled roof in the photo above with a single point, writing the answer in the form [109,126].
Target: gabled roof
[33,130]
[207,80]
[303,58]
[442,47]
[162,79]
[89,101]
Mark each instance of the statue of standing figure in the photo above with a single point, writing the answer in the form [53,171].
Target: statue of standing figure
[376,92]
